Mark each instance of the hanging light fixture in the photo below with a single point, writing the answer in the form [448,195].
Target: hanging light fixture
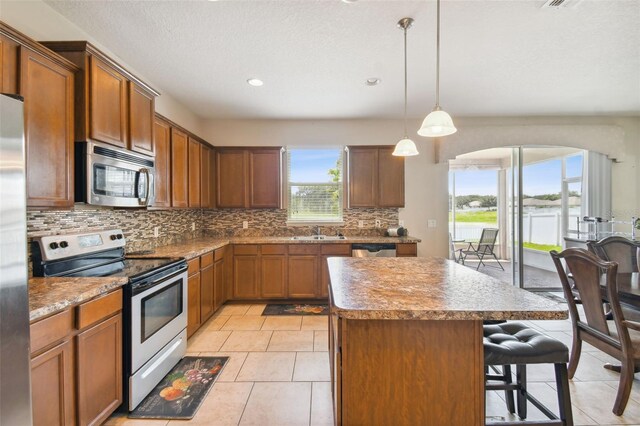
[438,122]
[405,147]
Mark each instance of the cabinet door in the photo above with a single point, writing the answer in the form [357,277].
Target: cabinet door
[390,179]
[303,273]
[162,149]
[231,172]
[363,177]
[194,173]
[264,178]
[193,304]
[179,169]
[48,114]
[219,278]
[9,69]
[205,177]
[407,250]
[52,387]
[273,276]
[206,293]
[246,273]
[141,119]
[108,104]
[99,370]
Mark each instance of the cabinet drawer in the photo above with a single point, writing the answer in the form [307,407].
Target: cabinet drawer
[219,253]
[407,249]
[304,249]
[206,260]
[193,266]
[342,249]
[98,309]
[51,330]
[274,249]
[245,249]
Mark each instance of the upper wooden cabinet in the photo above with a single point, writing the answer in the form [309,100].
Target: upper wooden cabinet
[248,177]
[194,173]
[162,148]
[206,177]
[112,105]
[179,169]
[46,82]
[376,177]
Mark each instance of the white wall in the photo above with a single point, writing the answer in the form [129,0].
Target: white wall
[39,21]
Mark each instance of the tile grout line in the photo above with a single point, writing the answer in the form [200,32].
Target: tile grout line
[246,403]
[311,405]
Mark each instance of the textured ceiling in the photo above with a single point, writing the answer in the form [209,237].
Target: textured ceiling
[499,57]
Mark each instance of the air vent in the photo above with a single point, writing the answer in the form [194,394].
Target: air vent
[562,4]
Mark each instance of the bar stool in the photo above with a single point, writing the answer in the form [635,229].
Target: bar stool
[513,343]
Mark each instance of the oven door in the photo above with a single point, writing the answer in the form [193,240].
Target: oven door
[118,178]
[158,315]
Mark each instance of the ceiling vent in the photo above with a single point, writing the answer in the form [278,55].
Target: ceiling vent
[562,4]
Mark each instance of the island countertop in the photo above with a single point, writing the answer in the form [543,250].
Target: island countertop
[429,289]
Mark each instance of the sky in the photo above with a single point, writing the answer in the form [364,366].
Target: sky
[312,165]
[539,178]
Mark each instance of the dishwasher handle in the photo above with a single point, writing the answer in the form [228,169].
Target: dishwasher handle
[373,250]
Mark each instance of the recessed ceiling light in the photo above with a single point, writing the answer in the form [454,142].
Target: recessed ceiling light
[372,81]
[255,82]
[349,1]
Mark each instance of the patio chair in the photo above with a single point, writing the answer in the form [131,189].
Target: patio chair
[620,337]
[484,248]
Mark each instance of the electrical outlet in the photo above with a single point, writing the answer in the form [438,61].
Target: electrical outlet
[245,224]
[156,232]
[401,223]
[431,223]
[378,223]
[193,226]
[361,224]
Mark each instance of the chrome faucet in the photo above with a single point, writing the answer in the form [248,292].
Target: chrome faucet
[318,230]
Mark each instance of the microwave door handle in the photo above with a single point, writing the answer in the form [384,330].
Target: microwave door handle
[145,200]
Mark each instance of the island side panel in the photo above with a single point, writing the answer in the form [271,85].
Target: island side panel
[411,372]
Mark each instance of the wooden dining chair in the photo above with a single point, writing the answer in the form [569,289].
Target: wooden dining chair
[619,337]
[617,249]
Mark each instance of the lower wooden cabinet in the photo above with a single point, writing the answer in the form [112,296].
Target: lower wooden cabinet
[407,250]
[219,279]
[52,386]
[99,369]
[273,275]
[206,288]
[246,274]
[76,363]
[303,270]
[193,305]
[206,293]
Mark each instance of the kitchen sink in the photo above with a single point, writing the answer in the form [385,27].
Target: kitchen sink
[319,237]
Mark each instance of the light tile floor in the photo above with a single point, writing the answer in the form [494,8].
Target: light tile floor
[278,374]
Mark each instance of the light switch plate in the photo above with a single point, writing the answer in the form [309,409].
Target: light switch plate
[401,223]
[193,226]
[245,224]
[431,223]
[156,232]
[361,224]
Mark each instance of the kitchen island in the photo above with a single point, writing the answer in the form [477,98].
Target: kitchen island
[405,338]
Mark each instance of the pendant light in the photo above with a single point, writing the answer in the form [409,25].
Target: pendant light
[405,147]
[438,122]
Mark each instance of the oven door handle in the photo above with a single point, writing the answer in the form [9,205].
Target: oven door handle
[159,285]
[145,200]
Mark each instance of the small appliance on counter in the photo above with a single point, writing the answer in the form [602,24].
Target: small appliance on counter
[398,231]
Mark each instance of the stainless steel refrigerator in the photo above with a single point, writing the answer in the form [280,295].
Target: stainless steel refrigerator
[15,371]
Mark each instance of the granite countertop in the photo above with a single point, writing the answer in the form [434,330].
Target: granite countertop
[429,289]
[50,295]
[200,246]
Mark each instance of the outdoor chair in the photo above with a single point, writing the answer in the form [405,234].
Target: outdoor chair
[484,248]
[620,337]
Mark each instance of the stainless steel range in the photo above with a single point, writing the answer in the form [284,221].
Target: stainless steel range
[155,300]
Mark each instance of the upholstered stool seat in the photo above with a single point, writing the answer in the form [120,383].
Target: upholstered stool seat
[513,343]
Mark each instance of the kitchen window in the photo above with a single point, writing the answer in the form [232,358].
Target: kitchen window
[314,185]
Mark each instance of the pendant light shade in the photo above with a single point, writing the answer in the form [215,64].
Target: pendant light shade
[405,147]
[438,122]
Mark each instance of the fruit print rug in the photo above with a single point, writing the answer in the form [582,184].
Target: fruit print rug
[180,393]
[296,310]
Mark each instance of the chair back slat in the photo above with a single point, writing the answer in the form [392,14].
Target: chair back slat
[487,239]
[618,249]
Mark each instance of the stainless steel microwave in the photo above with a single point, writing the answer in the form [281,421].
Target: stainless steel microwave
[111,176]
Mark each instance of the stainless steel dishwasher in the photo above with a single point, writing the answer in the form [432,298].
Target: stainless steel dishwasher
[373,250]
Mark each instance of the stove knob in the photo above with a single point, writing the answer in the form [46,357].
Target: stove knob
[53,245]
[64,244]
[120,236]
[113,237]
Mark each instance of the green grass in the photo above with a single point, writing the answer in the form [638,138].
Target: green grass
[542,247]
[476,216]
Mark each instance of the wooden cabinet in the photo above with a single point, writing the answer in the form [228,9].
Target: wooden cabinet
[179,169]
[376,177]
[194,173]
[99,369]
[162,149]
[327,251]
[76,363]
[248,177]
[52,386]
[9,61]
[206,175]
[112,105]
[193,296]
[273,271]
[219,278]
[47,88]
[141,119]
[407,250]
[207,287]
[304,270]
[246,272]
